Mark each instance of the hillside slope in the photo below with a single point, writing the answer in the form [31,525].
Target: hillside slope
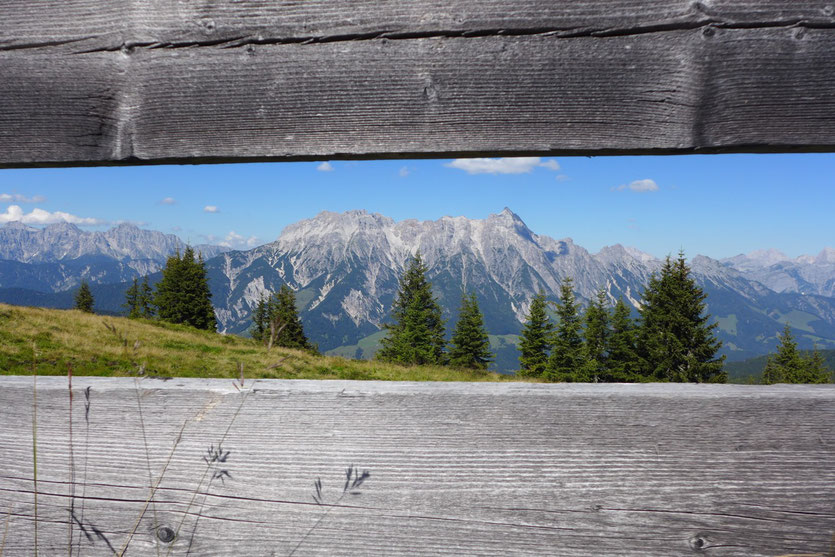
[101,345]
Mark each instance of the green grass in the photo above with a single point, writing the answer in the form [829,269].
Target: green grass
[115,346]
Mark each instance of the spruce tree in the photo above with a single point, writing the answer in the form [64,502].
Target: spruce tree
[677,340]
[145,301]
[282,310]
[789,365]
[84,298]
[566,361]
[596,335]
[470,347]
[260,320]
[183,294]
[535,342]
[131,304]
[416,335]
[623,364]
[816,370]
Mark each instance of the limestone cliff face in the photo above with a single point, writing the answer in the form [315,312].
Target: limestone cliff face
[58,256]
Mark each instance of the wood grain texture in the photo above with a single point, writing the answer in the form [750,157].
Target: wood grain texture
[149,81]
[456,469]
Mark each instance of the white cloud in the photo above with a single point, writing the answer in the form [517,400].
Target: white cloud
[18,198]
[39,216]
[325,167]
[507,165]
[562,178]
[404,171]
[211,209]
[234,240]
[168,201]
[640,186]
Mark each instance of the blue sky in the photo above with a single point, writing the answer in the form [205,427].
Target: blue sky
[716,205]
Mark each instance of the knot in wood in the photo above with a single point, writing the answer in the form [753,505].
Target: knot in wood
[698,542]
[208,25]
[828,10]
[708,31]
[165,534]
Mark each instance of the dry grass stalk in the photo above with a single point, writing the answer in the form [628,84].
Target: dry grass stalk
[35,437]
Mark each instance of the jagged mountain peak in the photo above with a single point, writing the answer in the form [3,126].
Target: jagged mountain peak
[826,256]
[619,251]
[17,225]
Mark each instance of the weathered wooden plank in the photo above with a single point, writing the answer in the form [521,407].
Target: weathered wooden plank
[678,91]
[134,82]
[456,469]
[79,24]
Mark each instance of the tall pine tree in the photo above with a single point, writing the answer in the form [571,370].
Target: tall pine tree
[535,342]
[416,335]
[183,294]
[596,335]
[816,370]
[789,365]
[677,340]
[623,364]
[131,304]
[282,310]
[260,320]
[145,300]
[84,298]
[470,347]
[566,361]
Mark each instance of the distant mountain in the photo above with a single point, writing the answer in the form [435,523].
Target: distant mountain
[59,256]
[806,274]
[345,270]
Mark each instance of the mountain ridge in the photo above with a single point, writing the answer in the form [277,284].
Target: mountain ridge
[345,269]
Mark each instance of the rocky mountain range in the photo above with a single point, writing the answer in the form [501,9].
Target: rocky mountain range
[345,270]
[59,256]
[806,274]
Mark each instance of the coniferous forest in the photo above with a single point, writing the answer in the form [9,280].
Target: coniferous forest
[672,339]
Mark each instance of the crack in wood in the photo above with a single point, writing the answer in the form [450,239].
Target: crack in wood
[129,46]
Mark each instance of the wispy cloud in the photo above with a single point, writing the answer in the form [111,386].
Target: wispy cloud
[38,216]
[132,222]
[168,201]
[404,171]
[562,178]
[507,165]
[325,167]
[211,209]
[233,240]
[640,186]
[19,198]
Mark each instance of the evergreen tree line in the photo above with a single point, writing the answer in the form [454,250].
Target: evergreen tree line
[417,335]
[672,339]
[790,365]
[181,296]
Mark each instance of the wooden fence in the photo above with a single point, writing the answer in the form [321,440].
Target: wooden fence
[202,467]
[197,467]
[150,81]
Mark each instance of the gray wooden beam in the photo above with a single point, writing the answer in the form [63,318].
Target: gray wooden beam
[456,469]
[86,82]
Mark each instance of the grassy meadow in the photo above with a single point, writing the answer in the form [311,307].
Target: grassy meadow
[49,342]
